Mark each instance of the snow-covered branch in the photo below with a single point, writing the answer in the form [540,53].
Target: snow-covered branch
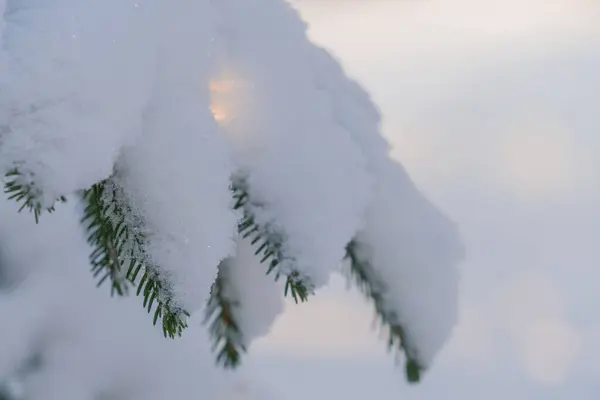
[181,185]
[244,303]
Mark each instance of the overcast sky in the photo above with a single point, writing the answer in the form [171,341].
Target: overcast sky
[492,106]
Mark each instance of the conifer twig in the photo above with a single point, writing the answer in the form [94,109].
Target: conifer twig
[269,243]
[366,278]
[107,239]
[21,188]
[155,289]
[224,329]
[118,255]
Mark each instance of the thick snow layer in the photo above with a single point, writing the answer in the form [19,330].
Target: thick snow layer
[413,247]
[304,168]
[352,108]
[177,174]
[256,298]
[416,250]
[74,83]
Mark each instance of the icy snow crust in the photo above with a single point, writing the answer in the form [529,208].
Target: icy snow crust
[90,86]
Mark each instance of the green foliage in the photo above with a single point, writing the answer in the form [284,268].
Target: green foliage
[118,248]
[154,289]
[118,255]
[22,188]
[108,239]
[224,329]
[370,283]
[225,332]
[268,243]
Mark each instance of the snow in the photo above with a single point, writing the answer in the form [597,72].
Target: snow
[83,353]
[70,97]
[304,170]
[257,301]
[177,98]
[415,249]
[412,246]
[177,174]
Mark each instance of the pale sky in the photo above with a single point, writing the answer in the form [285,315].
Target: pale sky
[492,106]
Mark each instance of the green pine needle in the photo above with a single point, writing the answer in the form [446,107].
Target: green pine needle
[269,244]
[24,191]
[174,318]
[370,283]
[223,328]
[412,371]
[117,254]
[106,238]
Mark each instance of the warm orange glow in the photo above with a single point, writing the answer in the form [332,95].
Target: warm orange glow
[222,86]
[219,113]
[219,89]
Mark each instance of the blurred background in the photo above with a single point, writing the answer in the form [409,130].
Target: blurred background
[493,106]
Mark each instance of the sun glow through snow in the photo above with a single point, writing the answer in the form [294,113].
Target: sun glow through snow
[219,89]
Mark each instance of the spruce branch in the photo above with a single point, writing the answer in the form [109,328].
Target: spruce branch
[106,238]
[156,289]
[366,278]
[224,329]
[118,255]
[21,188]
[268,243]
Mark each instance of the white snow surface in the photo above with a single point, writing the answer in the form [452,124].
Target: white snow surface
[91,345]
[177,174]
[257,300]
[413,247]
[304,168]
[74,81]
[415,250]
[87,85]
